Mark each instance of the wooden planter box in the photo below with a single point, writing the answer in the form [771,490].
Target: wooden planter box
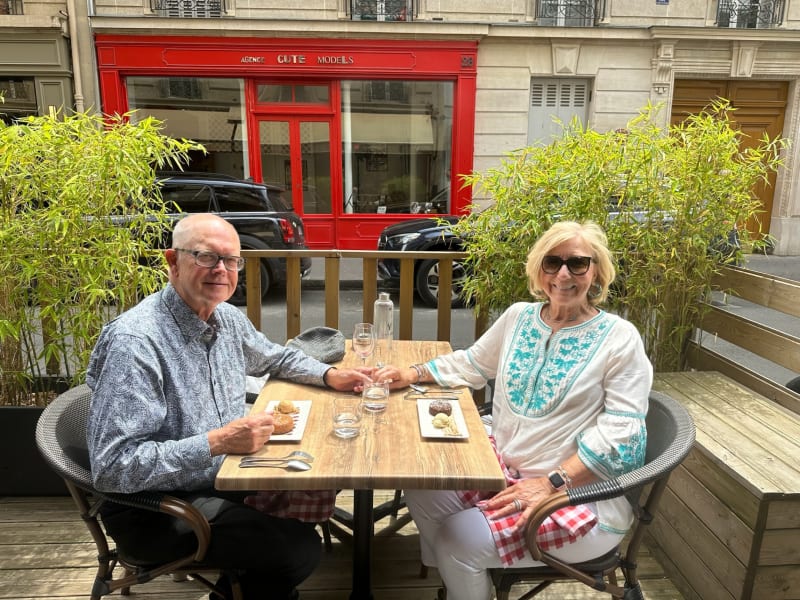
[23,471]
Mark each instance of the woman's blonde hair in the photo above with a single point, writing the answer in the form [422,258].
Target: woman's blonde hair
[565,231]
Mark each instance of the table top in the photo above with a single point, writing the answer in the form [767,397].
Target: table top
[389,453]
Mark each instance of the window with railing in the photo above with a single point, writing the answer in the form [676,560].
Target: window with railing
[750,14]
[11,7]
[189,9]
[569,13]
[381,10]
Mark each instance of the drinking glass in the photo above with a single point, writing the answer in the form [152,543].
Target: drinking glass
[363,340]
[346,416]
[375,395]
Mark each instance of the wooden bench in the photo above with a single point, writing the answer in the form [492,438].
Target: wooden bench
[732,510]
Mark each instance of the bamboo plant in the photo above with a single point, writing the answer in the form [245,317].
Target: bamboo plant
[80,218]
[673,202]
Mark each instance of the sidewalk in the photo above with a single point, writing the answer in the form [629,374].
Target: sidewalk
[781,266]
[350,274]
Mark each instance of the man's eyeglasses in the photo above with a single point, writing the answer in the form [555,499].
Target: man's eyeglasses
[577,265]
[210,260]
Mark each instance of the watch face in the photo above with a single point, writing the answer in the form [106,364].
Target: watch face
[556,480]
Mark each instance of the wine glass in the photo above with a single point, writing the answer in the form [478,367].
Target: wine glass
[363,340]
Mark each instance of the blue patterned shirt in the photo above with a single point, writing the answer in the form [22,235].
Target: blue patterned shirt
[162,378]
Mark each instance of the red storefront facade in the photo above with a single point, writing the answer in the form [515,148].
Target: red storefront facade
[360,133]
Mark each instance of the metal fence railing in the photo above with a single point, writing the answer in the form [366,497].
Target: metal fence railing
[570,13]
[746,14]
[189,9]
[11,7]
[381,10]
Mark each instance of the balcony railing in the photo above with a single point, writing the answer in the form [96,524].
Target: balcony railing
[11,7]
[570,13]
[750,14]
[189,9]
[381,10]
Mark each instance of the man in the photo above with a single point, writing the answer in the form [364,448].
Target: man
[168,402]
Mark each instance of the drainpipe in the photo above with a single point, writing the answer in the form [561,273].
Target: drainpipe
[76,64]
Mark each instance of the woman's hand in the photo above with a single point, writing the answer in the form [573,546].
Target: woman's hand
[524,496]
[397,377]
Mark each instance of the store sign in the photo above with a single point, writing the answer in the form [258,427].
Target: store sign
[323,60]
[299,59]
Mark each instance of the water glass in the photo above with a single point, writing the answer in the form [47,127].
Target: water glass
[376,395]
[363,340]
[347,416]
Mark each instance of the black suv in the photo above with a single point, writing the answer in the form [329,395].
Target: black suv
[423,235]
[258,211]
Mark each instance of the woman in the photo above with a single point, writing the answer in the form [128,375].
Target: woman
[569,405]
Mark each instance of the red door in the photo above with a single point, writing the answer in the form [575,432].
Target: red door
[295,152]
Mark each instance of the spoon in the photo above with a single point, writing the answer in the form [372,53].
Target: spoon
[292,465]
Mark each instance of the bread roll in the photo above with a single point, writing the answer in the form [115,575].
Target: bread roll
[283,423]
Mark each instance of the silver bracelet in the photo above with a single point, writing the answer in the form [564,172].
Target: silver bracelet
[567,479]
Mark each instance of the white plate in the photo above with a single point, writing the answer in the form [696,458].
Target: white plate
[426,421]
[300,420]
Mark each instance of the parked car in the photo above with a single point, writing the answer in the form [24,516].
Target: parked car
[423,235]
[259,212]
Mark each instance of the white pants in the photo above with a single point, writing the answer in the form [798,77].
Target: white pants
[459,543]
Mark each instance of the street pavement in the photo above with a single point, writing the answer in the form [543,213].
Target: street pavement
[463,321]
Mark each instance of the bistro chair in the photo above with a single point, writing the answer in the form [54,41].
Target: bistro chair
[670,435]
[61,438]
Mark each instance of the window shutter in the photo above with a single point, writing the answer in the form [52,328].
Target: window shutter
[561,99]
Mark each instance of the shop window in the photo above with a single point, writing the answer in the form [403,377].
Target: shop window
[19,98]
[207,110]
[178,87]
[381,10]
[11,7]
[569,13]
[750,14]
[397,146]
[293,93]
[192,9]
[553,102]
[388,91]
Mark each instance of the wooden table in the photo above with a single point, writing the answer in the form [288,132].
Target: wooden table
[390,453]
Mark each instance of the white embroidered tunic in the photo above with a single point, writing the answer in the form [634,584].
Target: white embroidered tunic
[583,388]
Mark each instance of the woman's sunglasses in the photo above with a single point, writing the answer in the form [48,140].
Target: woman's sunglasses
[577,265]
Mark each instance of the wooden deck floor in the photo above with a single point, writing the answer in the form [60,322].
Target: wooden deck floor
[46,554]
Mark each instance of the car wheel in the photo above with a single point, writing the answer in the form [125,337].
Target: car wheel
[239,297]
[427,283]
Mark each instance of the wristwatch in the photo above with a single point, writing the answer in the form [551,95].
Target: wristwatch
[556,480]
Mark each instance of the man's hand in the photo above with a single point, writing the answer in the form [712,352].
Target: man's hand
[242,436]
[348,380]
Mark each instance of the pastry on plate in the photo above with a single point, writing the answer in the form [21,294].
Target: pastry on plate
[440,406]
[282,422]
[286,407]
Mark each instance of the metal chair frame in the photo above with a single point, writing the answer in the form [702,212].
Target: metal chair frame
[670,436]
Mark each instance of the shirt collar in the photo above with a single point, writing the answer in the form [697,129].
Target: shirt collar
[191,326]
